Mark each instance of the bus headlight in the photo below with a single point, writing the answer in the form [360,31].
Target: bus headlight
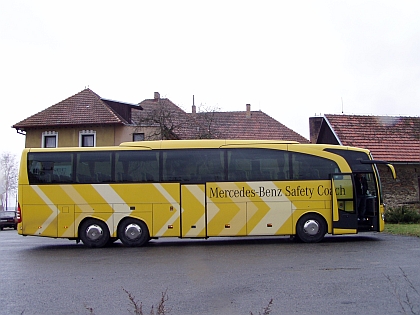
[383,216]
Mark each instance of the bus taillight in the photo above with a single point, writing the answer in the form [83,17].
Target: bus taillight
[19,214]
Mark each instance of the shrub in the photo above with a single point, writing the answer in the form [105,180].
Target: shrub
[404,214]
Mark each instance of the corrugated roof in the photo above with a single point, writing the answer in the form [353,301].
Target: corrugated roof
[85,107]
[394,139]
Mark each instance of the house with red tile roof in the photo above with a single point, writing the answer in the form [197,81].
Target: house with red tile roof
[245,125]
[161,119]
[389,138]
[86,119]
[210,124]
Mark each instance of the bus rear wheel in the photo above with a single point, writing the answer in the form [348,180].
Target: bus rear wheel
[311,228]
[133,232]
[94,233]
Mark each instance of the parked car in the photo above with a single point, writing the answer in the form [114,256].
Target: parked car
[8,219]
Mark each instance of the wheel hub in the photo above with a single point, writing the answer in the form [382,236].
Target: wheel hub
[311,227]
[132,231]
[94,232]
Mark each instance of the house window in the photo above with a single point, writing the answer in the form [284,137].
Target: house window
[138,136]
[419,186]
[49,139]
[87,138]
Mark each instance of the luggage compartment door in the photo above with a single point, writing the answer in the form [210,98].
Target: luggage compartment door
[193,210]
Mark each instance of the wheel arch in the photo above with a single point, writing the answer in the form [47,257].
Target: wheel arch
[133,232]
[311,227]
[327,222]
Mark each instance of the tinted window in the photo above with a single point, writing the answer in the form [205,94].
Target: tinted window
[136,166]
[257,164]
[44,168]
[185,166]
[93,167]
[308,167]
[193,165]
[354,159]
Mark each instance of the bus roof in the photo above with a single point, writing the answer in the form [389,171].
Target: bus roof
[219,143]
[201,143]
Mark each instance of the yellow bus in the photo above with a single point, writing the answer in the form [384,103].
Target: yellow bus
[145,190]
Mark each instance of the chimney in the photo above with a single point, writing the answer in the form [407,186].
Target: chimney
[157,96]
[248,110]
[315,124]
[194,109]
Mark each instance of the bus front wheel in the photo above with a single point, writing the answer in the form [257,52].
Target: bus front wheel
[311,228]
[133,232]
[94,233]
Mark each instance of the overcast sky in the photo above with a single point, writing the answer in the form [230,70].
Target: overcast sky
[289,59]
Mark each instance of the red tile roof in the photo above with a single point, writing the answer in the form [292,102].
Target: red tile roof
[236,125]
[394,139]
[85,107]
[162,111]
[223,125]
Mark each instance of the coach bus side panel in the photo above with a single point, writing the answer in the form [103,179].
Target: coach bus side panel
[163,200]
[65,221]
[249,208]
[226,209]
[39,210]
[139,211]
[193,210]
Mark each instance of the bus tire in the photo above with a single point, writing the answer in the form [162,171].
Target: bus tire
[311,228]
[133,232]
[94,233]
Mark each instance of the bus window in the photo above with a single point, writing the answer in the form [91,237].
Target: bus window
[93,167]
[210,165]
[46,168]
[257,164]
[309,167]
[193,165]
[136,166]
[354,158]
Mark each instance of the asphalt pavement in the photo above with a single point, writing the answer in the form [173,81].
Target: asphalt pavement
[360,274]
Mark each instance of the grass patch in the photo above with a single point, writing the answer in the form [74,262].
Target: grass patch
[403,229]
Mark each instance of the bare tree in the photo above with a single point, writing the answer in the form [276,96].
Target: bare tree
[8,177]
[207,123]
[163,119]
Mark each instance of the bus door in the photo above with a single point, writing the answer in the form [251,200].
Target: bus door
[193,210]
[343,204]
